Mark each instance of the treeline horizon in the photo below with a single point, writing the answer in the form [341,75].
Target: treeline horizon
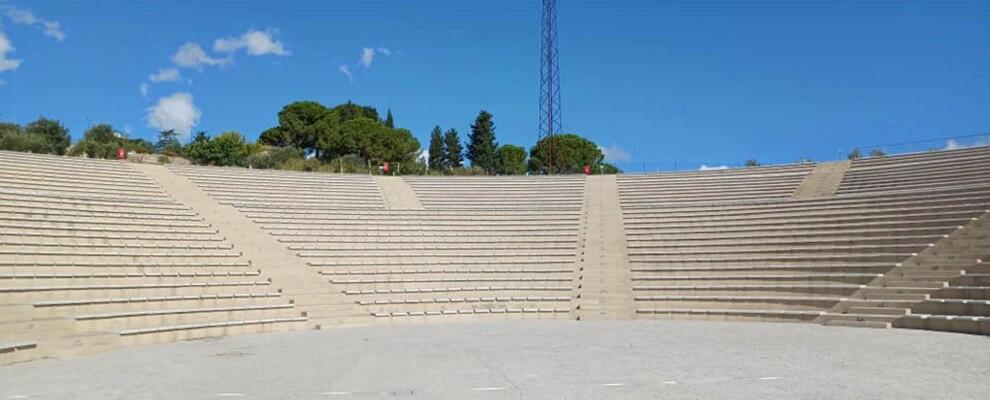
[312,137]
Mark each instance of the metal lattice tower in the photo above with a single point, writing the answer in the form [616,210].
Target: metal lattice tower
[549,78]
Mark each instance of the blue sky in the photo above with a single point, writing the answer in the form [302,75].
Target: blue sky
[653,82]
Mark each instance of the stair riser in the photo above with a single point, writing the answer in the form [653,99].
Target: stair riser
[119,324]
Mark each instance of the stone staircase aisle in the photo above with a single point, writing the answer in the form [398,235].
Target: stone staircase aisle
[823,181]
[605,286]
[397,194]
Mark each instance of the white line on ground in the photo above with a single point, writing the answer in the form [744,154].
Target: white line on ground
[770,378]
[18,396]
[335,393]
[230,394]
[614,384]
[489,389]
[670,383]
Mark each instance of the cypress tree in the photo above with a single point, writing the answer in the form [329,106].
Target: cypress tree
[452,143]
[389,122]
[481,143]
[437,152]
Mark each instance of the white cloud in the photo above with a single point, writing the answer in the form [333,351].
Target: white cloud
[143,88]
[176,112]
[707,168]
[256,43]
[165,75]
[367,57]
[385,51]
[7,47]
[346,71]
[953,144]
[615,154]
[190,55]
[25,17]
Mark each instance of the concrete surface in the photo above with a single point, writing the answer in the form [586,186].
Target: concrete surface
[531,359]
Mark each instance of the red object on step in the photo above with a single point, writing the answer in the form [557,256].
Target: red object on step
[121,154]
[385,167]
[587,170]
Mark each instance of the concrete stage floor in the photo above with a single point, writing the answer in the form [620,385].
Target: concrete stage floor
[531,359]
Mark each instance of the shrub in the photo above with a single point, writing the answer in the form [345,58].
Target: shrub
[27,142]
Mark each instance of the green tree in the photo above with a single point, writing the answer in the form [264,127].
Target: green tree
[389,121]
[53,132]
[571,153]
[481,143]
[168,143]
[752,162]
[200,149]
[101,133]
[273,157]
[10,128]
[877,153]
[100,141]
[855,154]
[374,142]
[13,137]
[454,154]
[348,111]
[230,148]
[437,150]
[138,145]
[274,137]
[303,123]
[510,160]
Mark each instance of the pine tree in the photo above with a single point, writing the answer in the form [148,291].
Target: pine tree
[481,143]
[437,150]
[452,143]
[389,122]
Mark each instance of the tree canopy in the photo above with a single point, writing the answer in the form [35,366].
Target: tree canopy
[389,121]
[102,141]
[310,136]
[40,136]
[347,129]
[454,153]
[510,160]
[53,132]
[571,153]
[228,148]
[437,151]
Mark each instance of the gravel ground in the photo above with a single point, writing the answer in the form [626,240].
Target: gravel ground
[531,359]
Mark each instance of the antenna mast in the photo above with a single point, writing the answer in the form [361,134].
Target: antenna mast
[549,79]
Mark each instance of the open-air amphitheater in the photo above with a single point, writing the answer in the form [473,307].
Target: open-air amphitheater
[107,257]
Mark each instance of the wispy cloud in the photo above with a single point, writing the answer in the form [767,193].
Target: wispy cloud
[707,168]
[191,55]
[256,43]
[7,47]
[165,75]
[25,17]
[385,51]
[614,153]
[953,144]
[367,57]
[143,88]
[346,71]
